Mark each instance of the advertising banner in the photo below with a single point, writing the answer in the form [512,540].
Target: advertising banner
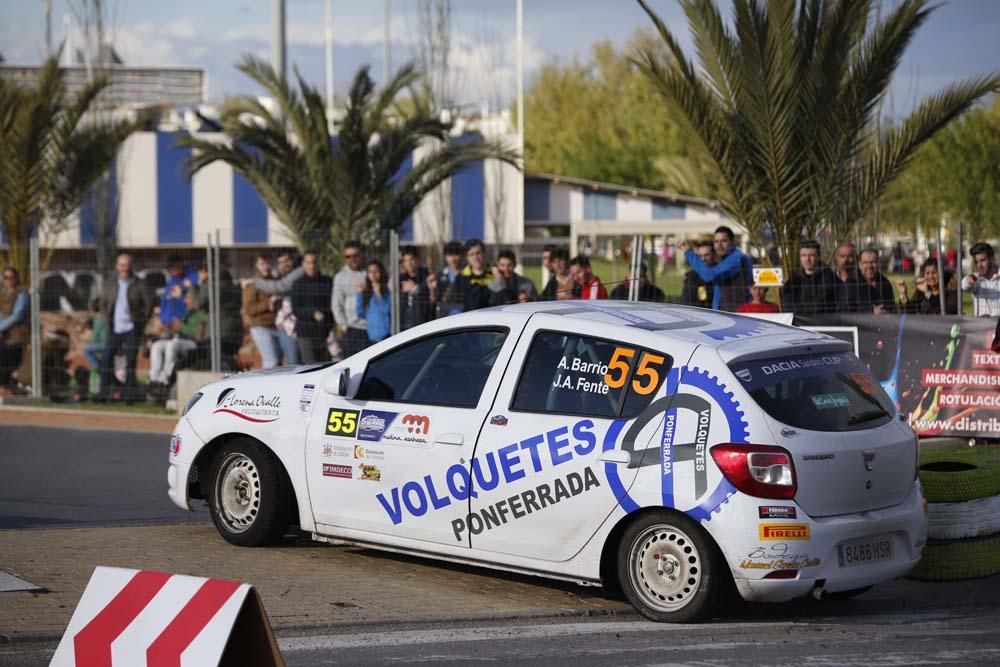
[938,370]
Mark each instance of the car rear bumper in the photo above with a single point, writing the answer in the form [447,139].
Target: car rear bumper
[187,444]
[816,563]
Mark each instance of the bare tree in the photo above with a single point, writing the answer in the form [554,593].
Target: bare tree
[492,86]
[433,53]
[97,21]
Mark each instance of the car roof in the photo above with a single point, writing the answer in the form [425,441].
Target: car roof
[734,335]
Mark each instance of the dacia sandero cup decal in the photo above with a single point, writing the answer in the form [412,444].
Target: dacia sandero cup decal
[697,407]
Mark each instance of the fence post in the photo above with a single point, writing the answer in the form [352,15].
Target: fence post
[216,299]
[212,333]
[634,270]
[35,293]
[394,279]
[940,263]
[958,270]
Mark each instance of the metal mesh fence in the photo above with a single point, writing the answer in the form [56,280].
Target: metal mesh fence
[110,332]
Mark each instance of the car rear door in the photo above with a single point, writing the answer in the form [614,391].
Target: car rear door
[543,481]
[393,459]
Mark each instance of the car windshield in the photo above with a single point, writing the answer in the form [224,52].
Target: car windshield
[819,392]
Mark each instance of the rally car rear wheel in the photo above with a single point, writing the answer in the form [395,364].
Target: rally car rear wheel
[250,498]
[669,569]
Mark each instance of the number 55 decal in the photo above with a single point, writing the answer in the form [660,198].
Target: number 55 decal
[647,375]
[342,422]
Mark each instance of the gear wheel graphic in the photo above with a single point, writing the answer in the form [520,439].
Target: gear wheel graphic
[739,431]
[740,328]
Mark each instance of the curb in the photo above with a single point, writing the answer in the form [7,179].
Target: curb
[91,420]
[300,629]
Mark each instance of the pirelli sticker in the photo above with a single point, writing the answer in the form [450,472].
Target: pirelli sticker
[783,531]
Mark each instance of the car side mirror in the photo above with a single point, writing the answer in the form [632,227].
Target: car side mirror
[338,383]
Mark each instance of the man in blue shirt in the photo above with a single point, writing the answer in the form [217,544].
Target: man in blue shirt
[172,306]
[15,315]
[731,277]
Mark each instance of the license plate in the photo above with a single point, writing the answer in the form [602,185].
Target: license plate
[864,551]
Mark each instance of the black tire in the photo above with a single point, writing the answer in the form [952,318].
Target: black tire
[697,579]
[250,497]
[959,476]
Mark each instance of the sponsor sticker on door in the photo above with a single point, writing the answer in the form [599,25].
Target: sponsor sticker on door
[338,470]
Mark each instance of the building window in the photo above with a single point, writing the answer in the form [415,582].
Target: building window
[665,210]
[599,205]
[536,200]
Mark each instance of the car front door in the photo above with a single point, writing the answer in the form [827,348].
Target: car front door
[391,459]
[551,464]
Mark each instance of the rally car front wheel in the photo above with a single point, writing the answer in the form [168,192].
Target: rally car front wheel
[250,499]
[669,569]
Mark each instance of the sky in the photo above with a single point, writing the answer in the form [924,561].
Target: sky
[961,39]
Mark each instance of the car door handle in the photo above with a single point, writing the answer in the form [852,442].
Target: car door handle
[616,456]
[450,439]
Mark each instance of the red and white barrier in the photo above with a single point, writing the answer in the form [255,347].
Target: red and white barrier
[133,617]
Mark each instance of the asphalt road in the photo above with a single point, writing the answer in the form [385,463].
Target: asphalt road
[797,634]
[55,478]
[52,477]
[866,640]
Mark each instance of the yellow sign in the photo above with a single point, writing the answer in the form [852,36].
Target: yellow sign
[769,277]
[784,531]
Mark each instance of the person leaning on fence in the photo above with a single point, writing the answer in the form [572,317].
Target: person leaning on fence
[647,290]
[590,286]
[561,285]
[471,289]
[15,321]
[186,333]
[126,305]
[872,293]
[373,302]
[927,296]
[284,319]
[758,302]
[811,289]
[414,300]
[731,277]
[984,283]
[259,313]
[98,324]
[351,329]
[695,291]
[311,303]
[509,286]
[439,283]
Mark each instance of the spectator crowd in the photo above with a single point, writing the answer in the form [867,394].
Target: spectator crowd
[294,313]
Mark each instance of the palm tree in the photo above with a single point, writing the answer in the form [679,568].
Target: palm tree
[328,190]
[52,151]
[784,105]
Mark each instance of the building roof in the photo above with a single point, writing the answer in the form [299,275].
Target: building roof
[625,189]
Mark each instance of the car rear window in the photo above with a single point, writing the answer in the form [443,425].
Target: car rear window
[819,392]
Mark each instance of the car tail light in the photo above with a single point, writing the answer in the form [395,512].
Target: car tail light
[763,471]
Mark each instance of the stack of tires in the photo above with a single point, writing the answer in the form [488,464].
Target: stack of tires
[962,487]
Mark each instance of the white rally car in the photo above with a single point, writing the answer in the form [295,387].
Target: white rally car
[673,451]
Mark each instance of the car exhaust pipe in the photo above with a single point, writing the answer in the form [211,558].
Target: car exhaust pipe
[819,590]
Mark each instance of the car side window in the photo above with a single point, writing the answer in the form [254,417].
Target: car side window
[579,375]
[447,369]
